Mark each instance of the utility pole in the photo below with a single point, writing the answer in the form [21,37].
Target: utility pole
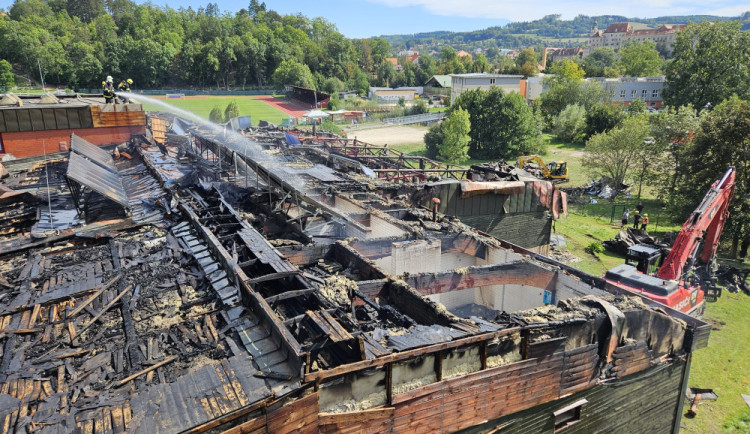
[39,63]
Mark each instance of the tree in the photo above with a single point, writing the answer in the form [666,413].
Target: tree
[637,107]
[562,91]
[566,68]
[601,58]
[232,111]
[602,118]
[527,55]
[215,116]
[86,10]
[481,64]
[674,131]
[291,72]
[640,59]
[570,123]
[455,145]
[717,147]
[711,62]
[615,152]
[7,80]
[502,125]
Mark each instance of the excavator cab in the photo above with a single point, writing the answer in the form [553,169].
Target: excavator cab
[646,258]
[558,170]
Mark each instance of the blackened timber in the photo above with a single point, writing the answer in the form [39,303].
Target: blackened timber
[697,331]
[272,276]
[406,355]
[289,294]
[249,296]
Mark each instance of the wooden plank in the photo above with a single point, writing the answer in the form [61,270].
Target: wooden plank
[255,425]
[234,382]
[295,417]
[20,331]
[118,422]
[406,355]
[147,370]
[105,309]
[357,416]
[94,296]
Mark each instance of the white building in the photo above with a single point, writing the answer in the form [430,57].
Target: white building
[483,81]
[617,35]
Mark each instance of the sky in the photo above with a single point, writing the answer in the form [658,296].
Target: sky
[367,18]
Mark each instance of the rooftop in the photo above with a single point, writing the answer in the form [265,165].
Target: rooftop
[240,281]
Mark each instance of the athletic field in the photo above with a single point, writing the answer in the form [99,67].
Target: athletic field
[201,105]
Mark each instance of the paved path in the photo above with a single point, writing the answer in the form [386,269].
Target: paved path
[282,105]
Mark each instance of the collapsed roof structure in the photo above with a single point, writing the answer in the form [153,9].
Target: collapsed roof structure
[209,281]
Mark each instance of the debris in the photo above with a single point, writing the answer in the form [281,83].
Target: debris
[733,278]
[627,238]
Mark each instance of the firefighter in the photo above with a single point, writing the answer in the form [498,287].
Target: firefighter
[124,86]
[109,91]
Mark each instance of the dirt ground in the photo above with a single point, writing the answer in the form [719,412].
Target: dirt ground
[391,135]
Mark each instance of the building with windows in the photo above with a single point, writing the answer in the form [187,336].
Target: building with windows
[621,91]
[484,81]
[618,34]
[624,90]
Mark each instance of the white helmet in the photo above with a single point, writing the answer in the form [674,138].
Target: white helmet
[109,79]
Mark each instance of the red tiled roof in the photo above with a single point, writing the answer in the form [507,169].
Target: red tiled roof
[618,28]
[392,60]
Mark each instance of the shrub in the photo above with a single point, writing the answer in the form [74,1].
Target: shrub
[331,127]
[570,123]
[594,248]
[232,111]
[216,116]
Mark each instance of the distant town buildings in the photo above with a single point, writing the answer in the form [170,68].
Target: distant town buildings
[620,91]
[618,34]
[571,53]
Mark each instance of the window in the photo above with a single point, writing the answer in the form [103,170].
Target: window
[569,415]
[655,93]
[644,93]
[492,81]
[633,94]
[612,93]
[622,93]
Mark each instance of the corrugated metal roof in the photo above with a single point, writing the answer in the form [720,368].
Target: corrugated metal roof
[93,153]
[97,178]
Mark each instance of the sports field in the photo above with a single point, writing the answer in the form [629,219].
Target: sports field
[201,105]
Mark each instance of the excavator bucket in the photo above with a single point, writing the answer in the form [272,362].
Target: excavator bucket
[712,294]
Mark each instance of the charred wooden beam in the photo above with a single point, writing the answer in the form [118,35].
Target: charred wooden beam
[289,294]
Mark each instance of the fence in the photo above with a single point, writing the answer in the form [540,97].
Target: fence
[415,119]
[189,92]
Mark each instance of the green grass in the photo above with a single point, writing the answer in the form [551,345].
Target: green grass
[411,148]
[571,153]
[723,366]
[257,109]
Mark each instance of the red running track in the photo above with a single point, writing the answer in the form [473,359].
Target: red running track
[282,105]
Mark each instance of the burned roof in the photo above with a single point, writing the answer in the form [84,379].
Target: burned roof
[249,293]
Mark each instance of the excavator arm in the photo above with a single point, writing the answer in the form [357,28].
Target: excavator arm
[704,225]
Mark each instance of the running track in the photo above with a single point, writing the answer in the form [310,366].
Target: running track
[282,105]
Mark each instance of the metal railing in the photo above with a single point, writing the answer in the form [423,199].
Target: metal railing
[415,119]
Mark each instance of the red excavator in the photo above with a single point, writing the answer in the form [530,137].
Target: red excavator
[679,282]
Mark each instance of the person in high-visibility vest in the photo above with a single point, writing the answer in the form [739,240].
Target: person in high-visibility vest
[124,86]
[644,222]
